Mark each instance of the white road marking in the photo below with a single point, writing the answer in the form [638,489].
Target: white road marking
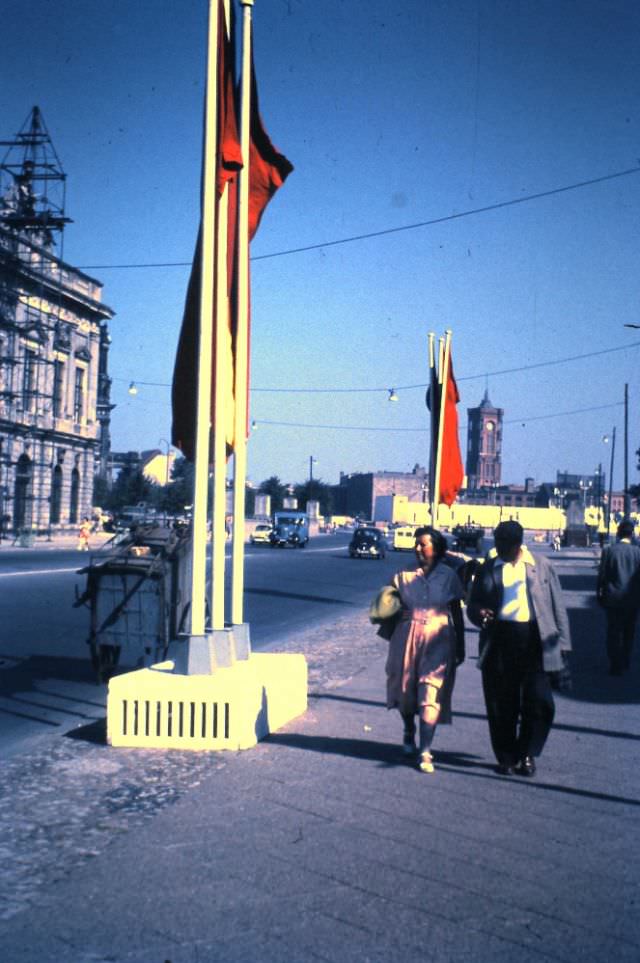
[38,571]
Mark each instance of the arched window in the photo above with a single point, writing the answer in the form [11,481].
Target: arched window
[23,495]
[56,495]
[75,496]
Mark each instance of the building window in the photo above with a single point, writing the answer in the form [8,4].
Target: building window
[22,496]
[74,498]
[58,389]
[78,395]
[29,380]
[56,495]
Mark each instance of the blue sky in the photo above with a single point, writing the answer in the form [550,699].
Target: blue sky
[393,114]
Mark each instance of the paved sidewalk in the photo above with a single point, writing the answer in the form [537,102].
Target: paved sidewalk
[58,541]
[323,844]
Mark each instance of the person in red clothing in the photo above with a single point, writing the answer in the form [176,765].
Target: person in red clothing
[84,535]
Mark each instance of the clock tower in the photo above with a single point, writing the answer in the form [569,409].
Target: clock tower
[484,444]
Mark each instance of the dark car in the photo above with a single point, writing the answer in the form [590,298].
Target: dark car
[367,543]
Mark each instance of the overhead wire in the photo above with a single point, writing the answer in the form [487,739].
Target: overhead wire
[475,377]
[508,421]
[471,212]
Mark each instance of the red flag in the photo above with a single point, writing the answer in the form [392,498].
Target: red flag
[268,168]
[451,472]
[228,162]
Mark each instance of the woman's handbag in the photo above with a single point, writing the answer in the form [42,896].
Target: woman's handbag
[385,611]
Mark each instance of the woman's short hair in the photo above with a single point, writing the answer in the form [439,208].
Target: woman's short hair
[438,540]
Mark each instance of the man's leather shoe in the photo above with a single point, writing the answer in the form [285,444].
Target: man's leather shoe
[505,770]
[527,767]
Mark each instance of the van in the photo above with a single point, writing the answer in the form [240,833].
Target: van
[404,538]
[289,528]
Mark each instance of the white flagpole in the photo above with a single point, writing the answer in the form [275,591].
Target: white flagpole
[443,376]
[222,377]
[203,403]
[242,331]
[433,412]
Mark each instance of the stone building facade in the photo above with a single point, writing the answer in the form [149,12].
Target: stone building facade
[370,494]
[54,385]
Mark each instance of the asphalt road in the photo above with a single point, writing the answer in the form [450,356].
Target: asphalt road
[47,685]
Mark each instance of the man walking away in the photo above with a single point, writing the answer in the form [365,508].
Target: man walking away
[517,601]
[618,590]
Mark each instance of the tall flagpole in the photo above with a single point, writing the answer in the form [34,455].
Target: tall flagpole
[222,376]
[443,377]
[433,411]
[205,329]
[242,331]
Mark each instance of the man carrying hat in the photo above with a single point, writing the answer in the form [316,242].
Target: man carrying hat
[517,602]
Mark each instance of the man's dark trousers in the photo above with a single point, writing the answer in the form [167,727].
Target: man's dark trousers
[517,692]
[621,628]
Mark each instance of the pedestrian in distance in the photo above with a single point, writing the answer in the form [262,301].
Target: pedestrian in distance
[517,602]
[420,614]
[618,591]
[84,534]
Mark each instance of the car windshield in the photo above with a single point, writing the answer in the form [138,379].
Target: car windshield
[367,533]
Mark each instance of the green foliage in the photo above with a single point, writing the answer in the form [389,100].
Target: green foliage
[273,486]
[131,487]
[318,491]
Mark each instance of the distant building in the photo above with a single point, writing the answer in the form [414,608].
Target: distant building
[54,386]
[370,494]
[484,445]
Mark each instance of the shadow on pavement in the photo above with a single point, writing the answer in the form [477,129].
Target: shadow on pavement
[28,688]
[589,664]
[384,753]
[339,698]
[582,730]
[94,732]
[299,596]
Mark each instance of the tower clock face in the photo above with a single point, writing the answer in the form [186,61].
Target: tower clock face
[490,426]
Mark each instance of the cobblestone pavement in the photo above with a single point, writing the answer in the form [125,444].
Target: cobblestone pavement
[64,803]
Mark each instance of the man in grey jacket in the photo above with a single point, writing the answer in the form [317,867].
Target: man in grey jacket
[618,590]
[516,599]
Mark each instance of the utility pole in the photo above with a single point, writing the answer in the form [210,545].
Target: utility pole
[613,451]
[627,498]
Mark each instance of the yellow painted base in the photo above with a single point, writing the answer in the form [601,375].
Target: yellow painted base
[232,709]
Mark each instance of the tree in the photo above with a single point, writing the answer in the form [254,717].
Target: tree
[275,489]
[315,490]
[175,496]
[131,487]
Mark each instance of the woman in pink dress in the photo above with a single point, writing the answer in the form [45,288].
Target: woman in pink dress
[426,645]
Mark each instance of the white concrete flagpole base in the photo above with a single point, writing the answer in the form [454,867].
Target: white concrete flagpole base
[242,640]
[204,654]
[231,708]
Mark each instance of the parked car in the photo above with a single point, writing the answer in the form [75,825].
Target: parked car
[367,543]
[261,534]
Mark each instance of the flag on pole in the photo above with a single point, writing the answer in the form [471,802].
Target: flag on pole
[268,168]
[451,471]
[228,163]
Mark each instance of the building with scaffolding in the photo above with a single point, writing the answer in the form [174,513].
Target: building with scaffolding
[54,384]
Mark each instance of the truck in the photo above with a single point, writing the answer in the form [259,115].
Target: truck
[289,528]
[468,536]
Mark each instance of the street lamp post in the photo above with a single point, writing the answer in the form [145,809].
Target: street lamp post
[163,441]
[613,450]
